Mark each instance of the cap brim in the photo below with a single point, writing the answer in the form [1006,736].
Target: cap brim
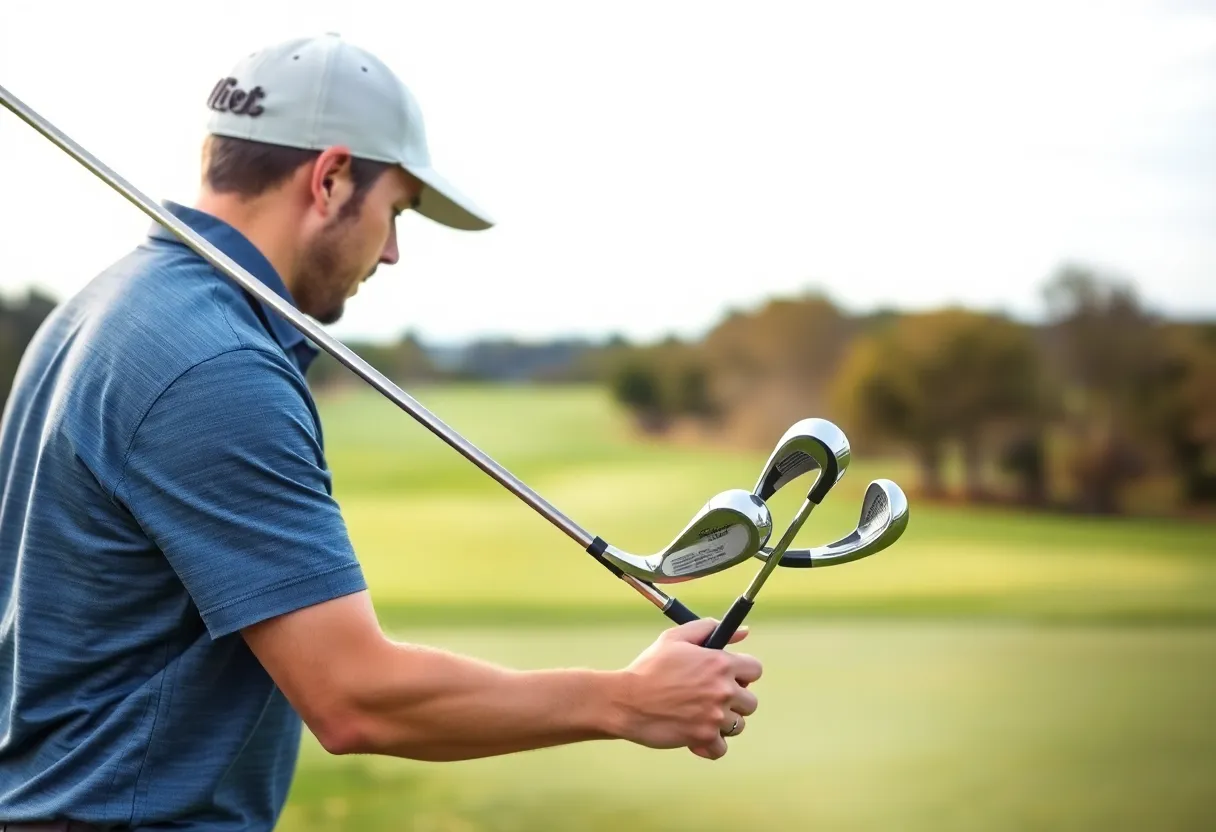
[443,202]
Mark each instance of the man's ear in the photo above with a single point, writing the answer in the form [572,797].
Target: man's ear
[330,184]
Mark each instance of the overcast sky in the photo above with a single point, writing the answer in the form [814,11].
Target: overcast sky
[652,164]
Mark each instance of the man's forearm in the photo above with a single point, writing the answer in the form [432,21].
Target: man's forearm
[361,693]
[428,704]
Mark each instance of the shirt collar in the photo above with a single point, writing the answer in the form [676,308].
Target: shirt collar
[238,247]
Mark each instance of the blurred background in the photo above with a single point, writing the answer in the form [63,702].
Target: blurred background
[978,237]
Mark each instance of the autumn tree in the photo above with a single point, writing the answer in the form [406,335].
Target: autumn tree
[943,378]
[662,382]
[1108,354]
[773,365]
[1181,409]
[635,385]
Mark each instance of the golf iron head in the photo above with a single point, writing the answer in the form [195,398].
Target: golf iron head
[797,453]
[732,527]
[884,517]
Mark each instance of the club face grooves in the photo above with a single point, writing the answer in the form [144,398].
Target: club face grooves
[875,504]
[785,465]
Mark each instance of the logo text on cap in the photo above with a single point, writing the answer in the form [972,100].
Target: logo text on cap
[228,97]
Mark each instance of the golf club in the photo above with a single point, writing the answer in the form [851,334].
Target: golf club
[827,445]
[614,560]
[729,529]
[789,460]
[884,516]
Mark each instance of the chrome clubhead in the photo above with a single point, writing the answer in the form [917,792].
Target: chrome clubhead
[800,451]
[830,452]
[884,517]
[730,528]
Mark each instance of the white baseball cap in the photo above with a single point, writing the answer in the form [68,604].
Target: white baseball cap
[315,93]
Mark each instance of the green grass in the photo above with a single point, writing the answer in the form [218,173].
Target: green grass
[445,544]
[994,670]
[863,726]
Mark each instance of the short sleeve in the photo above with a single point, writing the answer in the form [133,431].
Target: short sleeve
[227,476]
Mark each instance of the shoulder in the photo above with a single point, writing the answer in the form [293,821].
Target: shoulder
[162,343]
[180,306]
[164,318]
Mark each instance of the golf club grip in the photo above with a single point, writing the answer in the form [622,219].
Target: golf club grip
[720,637]
[679,613]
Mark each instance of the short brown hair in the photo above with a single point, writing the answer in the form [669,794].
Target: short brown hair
[250,168]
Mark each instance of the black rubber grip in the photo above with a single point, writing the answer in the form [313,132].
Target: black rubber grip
[721,635]
[679,613]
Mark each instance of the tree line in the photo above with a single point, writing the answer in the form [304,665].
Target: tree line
[1099,398]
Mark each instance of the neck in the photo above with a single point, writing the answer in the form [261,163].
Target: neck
[266,226]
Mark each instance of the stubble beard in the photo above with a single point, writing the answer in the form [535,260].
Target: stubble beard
[323,280]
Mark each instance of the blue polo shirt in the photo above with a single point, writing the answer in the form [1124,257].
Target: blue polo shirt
[164,485]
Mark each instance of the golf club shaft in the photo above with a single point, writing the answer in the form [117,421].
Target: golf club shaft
[672,608]
[738,611]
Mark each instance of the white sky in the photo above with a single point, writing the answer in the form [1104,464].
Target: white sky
[665,161]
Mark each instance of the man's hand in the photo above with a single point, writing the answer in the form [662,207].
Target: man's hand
[678,694]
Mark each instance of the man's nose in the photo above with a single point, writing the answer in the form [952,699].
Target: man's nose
[391,255]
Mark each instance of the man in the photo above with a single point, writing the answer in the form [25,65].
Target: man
[180,596]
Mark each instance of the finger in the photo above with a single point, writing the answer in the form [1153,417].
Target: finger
[730,728]
[747,668]
[694,632]
[716,750]
[739,634]
[744,703]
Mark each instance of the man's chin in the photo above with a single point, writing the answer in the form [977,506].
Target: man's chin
[333,315]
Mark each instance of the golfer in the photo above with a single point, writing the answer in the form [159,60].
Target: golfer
[178,592]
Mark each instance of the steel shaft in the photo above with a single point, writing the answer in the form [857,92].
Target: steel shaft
[330,344]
